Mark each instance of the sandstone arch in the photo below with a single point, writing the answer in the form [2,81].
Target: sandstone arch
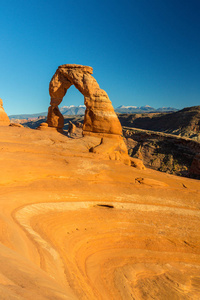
[100,117]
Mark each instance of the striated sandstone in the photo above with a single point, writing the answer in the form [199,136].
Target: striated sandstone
[76,226]
[4,120]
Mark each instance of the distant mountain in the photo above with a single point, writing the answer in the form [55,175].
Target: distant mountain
[80,110]
[142,109]
[65,110]
[185,122]
[73,110]
[28,116]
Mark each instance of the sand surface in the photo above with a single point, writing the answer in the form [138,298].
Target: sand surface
[75,226]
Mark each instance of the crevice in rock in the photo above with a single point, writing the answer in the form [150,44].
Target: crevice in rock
[105,205]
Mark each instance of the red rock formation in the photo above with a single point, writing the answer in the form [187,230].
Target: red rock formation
[4,120]
[100,118]
[75,227]
[55,118]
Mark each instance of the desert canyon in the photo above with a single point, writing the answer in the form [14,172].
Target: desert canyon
[80,219]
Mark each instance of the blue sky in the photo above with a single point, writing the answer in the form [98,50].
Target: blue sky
[142,51]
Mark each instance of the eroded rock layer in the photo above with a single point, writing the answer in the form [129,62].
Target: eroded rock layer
[4,120]
[74,226]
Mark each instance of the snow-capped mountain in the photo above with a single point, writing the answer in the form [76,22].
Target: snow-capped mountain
[80,110]
[73,110]
[142,109]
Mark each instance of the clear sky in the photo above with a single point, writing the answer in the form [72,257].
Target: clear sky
[143,52]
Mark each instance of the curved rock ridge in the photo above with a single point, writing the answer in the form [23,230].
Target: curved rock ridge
[114,269]
[73,226]
[4,120]
[100,117]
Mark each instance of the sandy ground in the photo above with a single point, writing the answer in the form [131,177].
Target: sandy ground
[74,226]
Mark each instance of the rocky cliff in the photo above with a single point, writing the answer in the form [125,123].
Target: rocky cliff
[164,152]
[185,122]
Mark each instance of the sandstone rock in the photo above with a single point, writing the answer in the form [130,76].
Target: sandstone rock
[137,163]
[79,125]
[73,226]
[16,125]
[71,128]
[114,149]
[100,118]
[55,118]
[43,126]
[4,120]
[150,182]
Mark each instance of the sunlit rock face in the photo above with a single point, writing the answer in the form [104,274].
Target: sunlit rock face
[74,227]
[99,116]
[4,120]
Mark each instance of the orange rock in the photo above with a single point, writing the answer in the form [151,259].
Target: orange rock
[74,226]
[100,116]
[137,163]
[55,118]
[16,125]
[4,120]
[150,182]
[71,128]
[113,149]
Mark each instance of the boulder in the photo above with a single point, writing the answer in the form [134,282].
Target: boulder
[4,120]
[137,163]
[16,125]
[71,128]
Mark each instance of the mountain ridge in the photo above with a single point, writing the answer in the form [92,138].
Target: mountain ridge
[80,110]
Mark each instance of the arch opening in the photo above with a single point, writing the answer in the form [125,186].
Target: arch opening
[73,101]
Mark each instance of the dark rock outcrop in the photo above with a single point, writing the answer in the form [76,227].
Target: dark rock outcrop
[164,152]
[185,122]
[100,117]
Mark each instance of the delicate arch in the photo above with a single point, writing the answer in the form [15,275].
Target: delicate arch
[100,117]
